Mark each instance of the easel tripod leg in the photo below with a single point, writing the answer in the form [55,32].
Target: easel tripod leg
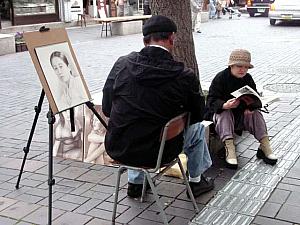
[51,181]
[26,149]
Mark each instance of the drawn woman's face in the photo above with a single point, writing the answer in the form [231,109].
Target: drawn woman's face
[62,71]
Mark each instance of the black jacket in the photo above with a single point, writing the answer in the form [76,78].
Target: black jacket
[143,91]
[222,85]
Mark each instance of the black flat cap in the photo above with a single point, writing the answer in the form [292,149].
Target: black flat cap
[159,23]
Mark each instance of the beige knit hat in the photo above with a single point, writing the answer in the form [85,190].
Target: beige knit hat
[240,57]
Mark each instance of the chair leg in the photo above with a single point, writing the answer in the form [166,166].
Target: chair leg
[188,185]
[121,170]
[158,202]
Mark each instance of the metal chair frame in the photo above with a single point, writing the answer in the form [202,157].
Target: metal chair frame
[172,129]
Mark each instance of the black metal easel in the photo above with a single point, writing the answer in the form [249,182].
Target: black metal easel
[51,121]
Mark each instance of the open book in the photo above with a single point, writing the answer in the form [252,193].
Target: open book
[252,99]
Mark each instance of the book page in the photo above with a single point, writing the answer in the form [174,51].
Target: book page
[246,90]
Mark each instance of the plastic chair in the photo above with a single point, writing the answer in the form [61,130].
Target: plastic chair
[172,129]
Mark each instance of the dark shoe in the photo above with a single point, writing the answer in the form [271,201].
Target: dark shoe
[261,155]
[135,190]
[206,184]
[198,31]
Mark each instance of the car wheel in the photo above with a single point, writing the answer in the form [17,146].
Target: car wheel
[251,14]
[272,21]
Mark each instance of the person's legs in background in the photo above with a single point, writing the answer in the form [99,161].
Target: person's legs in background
[198,23]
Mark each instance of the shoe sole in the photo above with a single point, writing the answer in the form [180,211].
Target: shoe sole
[231,166]
[261,155]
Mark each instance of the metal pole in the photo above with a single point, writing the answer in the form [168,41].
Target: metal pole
[51,181]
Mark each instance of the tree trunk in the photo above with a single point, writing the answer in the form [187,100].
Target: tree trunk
[180,13]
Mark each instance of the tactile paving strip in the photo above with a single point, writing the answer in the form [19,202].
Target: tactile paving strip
[244,195]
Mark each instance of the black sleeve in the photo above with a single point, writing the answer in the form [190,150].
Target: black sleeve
[215,98]
[195,101]
[108,90]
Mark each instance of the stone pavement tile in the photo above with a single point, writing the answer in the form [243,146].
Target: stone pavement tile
[240,148]
[55,196]
[185,204]
[29,198]
[279,196]
[170,189]
[97,221]
[154,216]
[139,221]
[135,203]
[19,210]
[269,209]
[109,207]
[87,206]
[72,218]
[96,195]
[179,212]
[4,192]
[82,188]
[129,215]
[179,221]
[17,192]
[30,165]
[56,169]
[99,213]
[165,201]
[294,173]
[62,188]
[7,221]
[31,183]
[6,202]
[259,220]
[112,179]
[288,187]
[70,183]
[40,216]
[104,189]
[24,223]
[287,180]
[289,213]
[294,199]
[202,199]
[71,172]
[68,206]
[74,199]
[93,176]
[248,154]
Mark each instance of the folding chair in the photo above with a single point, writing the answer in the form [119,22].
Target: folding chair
[172,129]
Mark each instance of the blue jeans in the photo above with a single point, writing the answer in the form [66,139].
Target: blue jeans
[194,147]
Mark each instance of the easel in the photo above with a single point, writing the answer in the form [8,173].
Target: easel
[51,121]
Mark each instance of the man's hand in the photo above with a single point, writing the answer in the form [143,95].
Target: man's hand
[231,103]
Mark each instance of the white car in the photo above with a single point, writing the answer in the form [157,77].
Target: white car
[285,10]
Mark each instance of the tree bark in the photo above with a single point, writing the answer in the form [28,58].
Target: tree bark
[180,13]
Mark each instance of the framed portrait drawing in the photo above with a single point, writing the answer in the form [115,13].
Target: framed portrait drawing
[58,69]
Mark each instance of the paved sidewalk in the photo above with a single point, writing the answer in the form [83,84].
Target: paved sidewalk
[83,193]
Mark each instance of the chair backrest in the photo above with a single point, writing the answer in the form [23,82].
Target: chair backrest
[172,129]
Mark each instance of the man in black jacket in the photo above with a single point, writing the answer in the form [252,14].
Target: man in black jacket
[143,91]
